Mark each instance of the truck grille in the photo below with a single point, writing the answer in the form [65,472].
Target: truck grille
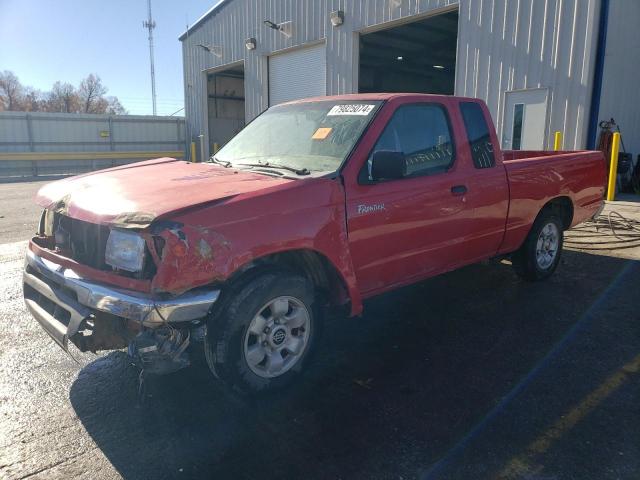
[86,243]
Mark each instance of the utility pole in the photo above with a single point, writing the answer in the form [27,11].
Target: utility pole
[149,24]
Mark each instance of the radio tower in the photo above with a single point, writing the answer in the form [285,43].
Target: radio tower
[149,24]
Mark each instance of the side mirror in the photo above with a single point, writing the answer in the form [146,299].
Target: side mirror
[388,165]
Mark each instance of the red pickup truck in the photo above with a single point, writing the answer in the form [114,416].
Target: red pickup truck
[316,203]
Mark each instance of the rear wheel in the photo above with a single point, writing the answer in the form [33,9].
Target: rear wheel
[263,336]
[539,256]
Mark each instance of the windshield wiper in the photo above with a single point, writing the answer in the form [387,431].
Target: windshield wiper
[297,171]
[219,162]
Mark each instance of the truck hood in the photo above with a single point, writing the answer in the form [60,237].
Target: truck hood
[133,195]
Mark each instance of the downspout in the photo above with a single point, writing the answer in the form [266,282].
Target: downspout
[594,111]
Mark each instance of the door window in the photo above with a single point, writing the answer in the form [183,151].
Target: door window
[525,119]
[422,133]
[518,119]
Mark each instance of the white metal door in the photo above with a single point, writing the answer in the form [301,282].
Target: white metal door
[297,74]
[525,119]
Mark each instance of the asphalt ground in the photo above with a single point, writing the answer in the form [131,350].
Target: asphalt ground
[19,215]
[469,375]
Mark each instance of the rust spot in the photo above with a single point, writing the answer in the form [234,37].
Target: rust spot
[204,249]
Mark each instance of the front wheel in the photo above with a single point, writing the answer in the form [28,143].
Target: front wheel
[539,256]
[264,335]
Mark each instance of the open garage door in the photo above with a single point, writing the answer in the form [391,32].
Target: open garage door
[414,57]
[299,73]
[225,101]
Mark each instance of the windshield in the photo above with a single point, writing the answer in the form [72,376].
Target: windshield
[306,137]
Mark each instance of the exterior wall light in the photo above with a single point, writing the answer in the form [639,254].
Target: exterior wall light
[337,18]
[285,28]
[250,43]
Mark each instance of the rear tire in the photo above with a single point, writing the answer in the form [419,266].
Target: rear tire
[263,336]
[539,256]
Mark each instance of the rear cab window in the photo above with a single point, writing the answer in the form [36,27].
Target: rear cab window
[478,134]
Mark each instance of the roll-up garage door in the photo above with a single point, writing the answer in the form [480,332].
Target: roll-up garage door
[297,74]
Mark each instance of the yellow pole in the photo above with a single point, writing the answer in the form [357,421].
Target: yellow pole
[192,157]
[613,169]
[216,147]
[557,141]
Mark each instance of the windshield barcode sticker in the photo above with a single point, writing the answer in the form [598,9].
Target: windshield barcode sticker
[357,109]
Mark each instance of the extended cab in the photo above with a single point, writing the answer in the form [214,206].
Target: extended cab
[317,203]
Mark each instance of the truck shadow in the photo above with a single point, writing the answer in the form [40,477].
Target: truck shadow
[388,394]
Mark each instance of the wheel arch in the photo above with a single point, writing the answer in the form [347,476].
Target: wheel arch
[515,237]
[326,278]
[561,206]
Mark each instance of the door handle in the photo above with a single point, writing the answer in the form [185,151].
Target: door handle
[458,190]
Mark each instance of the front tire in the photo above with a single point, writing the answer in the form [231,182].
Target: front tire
[263,336]
[539,256]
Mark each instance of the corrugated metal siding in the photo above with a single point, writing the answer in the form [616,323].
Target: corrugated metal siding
[516,44]
[65,132]
[241,19]
[620,97]
[503,45]
[14,132]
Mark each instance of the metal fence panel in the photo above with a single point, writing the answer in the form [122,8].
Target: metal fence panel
[14,134]
[35,143]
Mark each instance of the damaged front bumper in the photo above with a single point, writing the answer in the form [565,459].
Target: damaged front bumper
[61,301]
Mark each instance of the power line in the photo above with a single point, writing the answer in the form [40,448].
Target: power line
[164,99]
[146,102]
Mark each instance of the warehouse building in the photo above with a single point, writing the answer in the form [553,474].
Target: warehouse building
[541,65]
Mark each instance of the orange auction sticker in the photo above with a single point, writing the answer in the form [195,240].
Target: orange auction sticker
[321,133]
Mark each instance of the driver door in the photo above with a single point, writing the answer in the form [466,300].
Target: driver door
[404,229]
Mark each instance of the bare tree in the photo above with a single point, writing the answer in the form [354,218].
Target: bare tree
[114,107]
[10,90]
[33,100]
[89,97]
[90,92]
[63,98]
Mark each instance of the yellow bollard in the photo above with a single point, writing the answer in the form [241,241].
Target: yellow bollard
[192,158]
[557,141]
[613,168]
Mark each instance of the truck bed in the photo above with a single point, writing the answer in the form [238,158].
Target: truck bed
[535,177]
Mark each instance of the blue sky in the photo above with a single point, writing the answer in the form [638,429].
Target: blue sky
[48,40]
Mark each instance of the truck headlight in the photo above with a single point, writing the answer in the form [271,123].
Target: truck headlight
[125,250]
[46,223]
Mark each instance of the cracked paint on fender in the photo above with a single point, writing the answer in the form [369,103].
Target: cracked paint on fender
[304,214]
